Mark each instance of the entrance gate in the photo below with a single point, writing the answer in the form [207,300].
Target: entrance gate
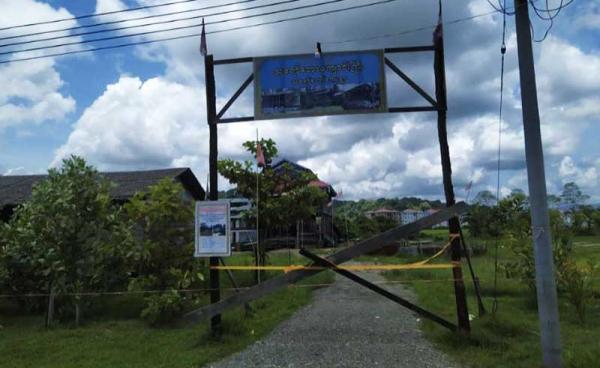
[450,214]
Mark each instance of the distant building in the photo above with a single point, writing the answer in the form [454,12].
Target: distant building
[242,232]
[385,213]
[318,231]
[411,215]
[16,189]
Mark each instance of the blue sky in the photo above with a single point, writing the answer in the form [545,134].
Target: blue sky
[144,107]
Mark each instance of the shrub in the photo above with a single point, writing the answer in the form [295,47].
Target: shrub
[67,238]
[163,252]
[576,282]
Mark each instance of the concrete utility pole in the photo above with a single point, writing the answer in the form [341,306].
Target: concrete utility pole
[542,245]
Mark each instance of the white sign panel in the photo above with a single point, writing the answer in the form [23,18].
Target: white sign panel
[212,229]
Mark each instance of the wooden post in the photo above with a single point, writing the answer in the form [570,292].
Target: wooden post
[211,115]
[50,313]
[453,223]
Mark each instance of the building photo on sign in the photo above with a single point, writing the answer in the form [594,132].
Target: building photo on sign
[308,85]
[212,229]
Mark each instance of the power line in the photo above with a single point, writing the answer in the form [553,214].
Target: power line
[241,28]
[97,14]
[408,31]
[180,27]
[125,20]
[149,24]
[547,14]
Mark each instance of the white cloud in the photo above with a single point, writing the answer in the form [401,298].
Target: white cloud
[161,121]
[31,91]
[586,177]
[140,124]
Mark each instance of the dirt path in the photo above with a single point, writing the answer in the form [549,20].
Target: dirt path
[346,325]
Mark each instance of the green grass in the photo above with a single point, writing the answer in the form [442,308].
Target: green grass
[117,338]
[510,338]
[588,240]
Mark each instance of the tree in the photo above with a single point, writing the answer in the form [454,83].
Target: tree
[572,195]
[163,252]
[485,198]
[553,200]
[284,196]
[66,239]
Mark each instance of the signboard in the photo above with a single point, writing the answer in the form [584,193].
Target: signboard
[212,229]
[307,85]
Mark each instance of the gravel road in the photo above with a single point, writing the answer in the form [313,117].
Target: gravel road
[346,325]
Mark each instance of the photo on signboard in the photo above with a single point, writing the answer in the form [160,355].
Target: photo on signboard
[212,229]
[333,83]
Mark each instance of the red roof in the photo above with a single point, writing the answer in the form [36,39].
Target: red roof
[319,183]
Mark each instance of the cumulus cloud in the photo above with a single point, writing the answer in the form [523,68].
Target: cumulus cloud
[32,91]
[161,121]
[586,176]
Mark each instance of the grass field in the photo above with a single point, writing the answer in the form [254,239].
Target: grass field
[510,337]
[115,337]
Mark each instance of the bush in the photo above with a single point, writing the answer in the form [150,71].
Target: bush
[576,281]
[164,250]
[67,238]
[519,241]
[163,308]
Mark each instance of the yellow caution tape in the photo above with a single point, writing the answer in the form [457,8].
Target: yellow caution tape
[366,267]
[360,267]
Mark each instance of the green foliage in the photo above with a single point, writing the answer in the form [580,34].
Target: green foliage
[577,280]
[483,221]
[284,197]
[364,227]
[571,194]
[485,198]
[163,251]
[163,308]
[67,238]
[518,239]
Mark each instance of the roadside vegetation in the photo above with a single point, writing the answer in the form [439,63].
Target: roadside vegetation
[509,335]
[87,282]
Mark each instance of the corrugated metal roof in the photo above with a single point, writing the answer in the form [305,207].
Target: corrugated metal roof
[16,189]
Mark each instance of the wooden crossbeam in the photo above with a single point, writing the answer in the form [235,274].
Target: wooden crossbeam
[366,246]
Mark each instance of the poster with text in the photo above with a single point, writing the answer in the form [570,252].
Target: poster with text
[329,84]
[212,229]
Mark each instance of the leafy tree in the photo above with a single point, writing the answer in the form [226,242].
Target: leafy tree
[572,195]
[483,221]
[163,252]
[553,200]
[67,238]
[485,198]
[284,196]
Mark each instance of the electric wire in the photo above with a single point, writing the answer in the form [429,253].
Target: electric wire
[126,20]
[333,11]
[413,30]
[286,10]
[85,16]
[168,21]
[548,14]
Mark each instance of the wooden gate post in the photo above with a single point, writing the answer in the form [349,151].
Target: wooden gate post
[211,116]
[453,223]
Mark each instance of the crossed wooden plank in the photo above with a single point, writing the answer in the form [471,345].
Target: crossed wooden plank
[366,246]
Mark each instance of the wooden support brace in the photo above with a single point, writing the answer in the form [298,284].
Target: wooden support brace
[368,245]
[379,290]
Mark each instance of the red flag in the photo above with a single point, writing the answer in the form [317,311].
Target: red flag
[260,156]
[203,49]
